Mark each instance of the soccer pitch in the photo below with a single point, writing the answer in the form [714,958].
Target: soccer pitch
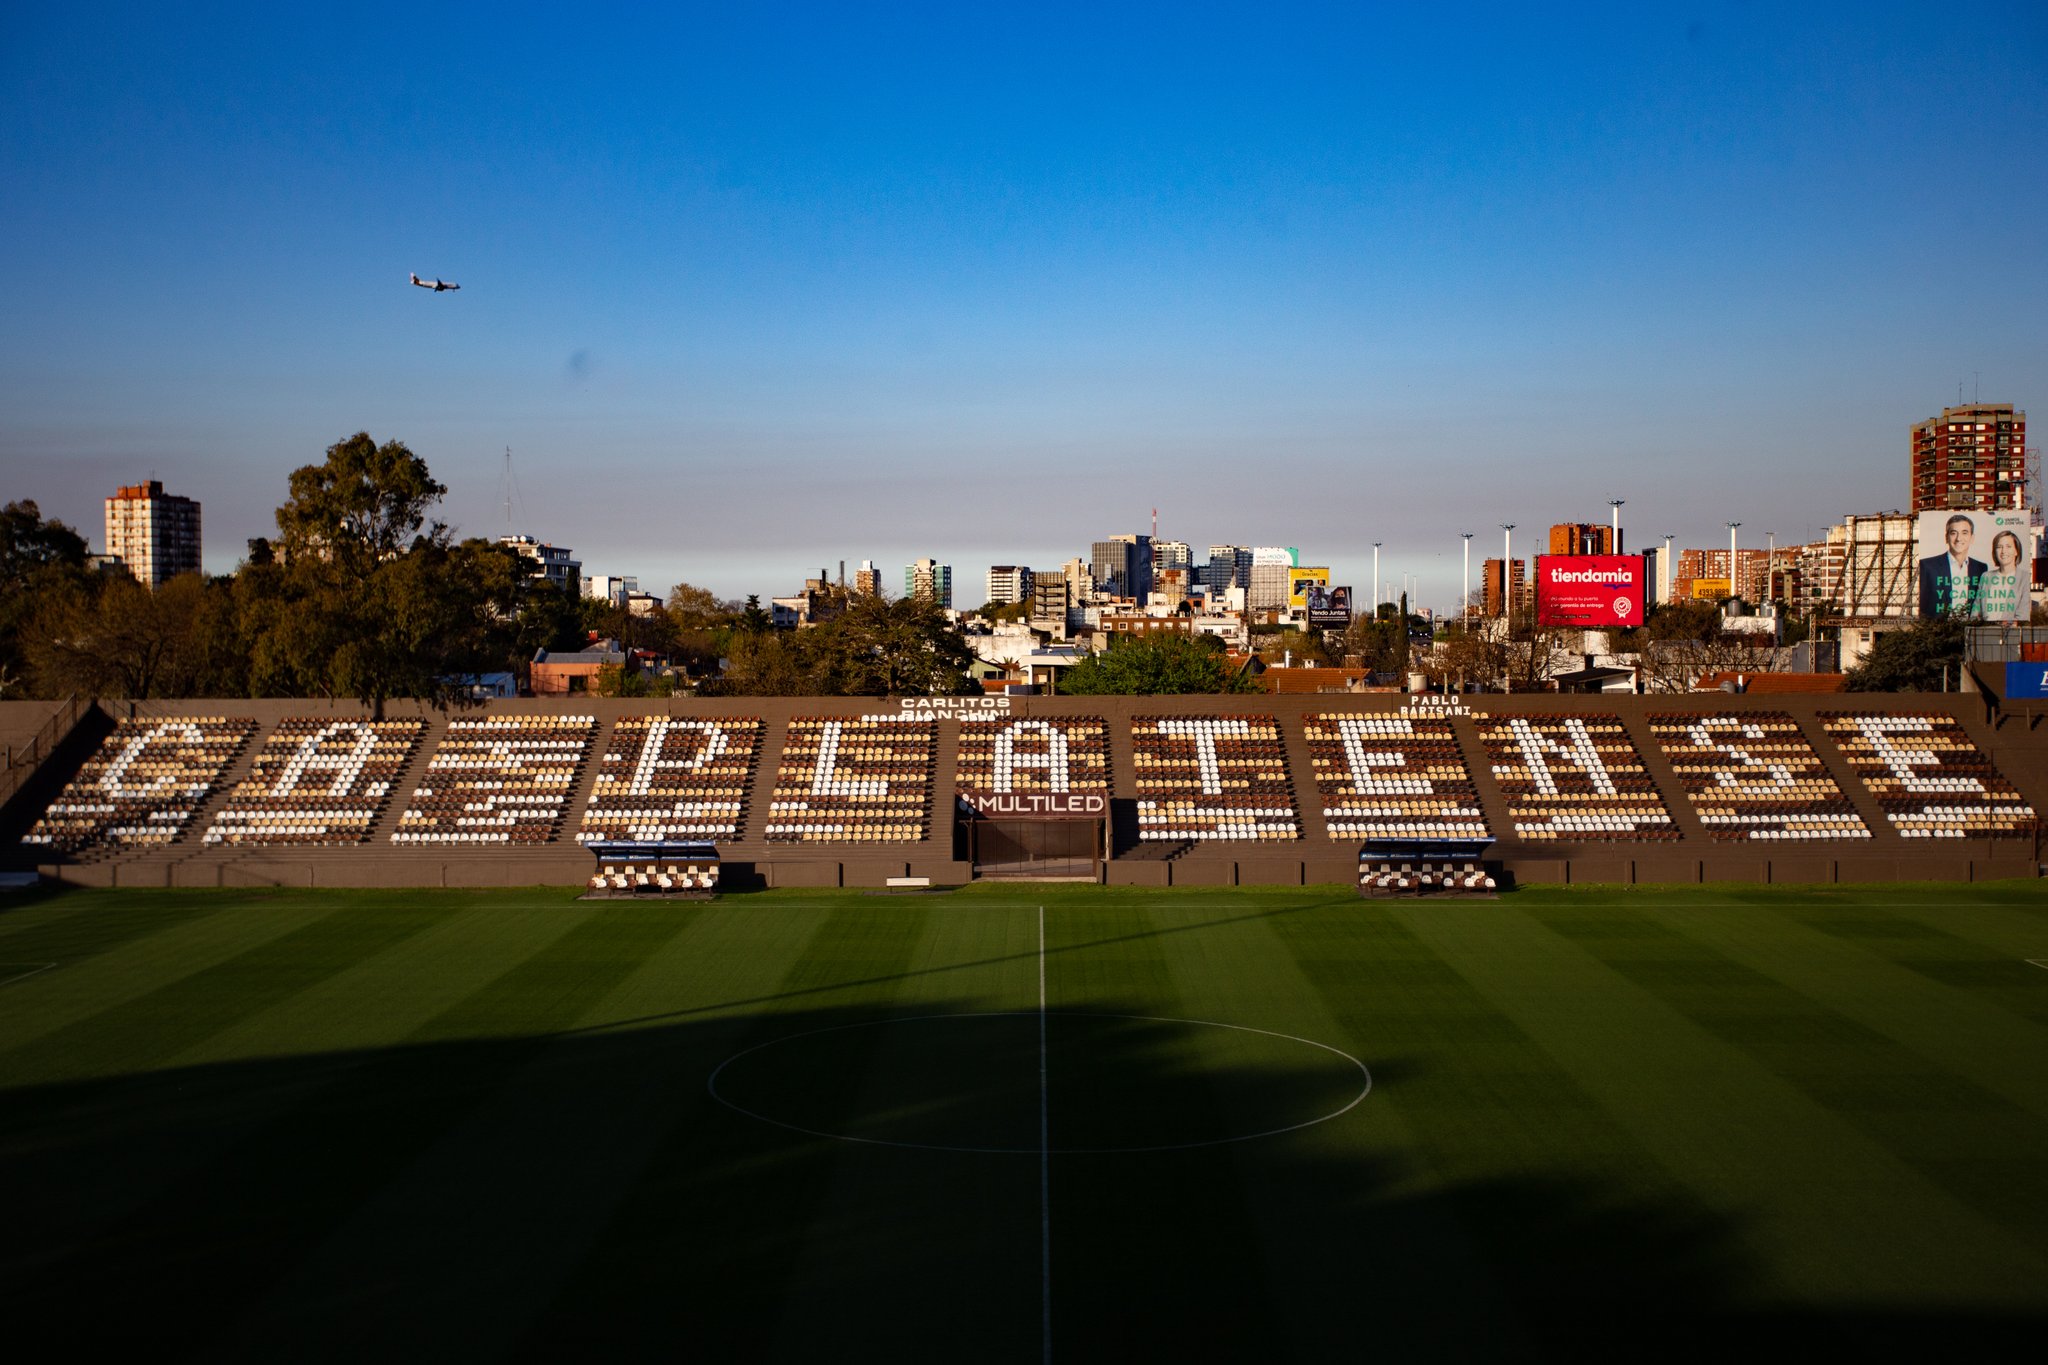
[1028,1123]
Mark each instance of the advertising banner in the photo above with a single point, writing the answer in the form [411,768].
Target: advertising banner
[1299,581]
[1589,590]
[1711,589]
[1975,564]
[1329,608]
[2025,681]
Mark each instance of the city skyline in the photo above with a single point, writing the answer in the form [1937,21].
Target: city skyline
[990,290]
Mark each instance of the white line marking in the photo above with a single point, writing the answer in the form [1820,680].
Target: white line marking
[22,971]
[1044,1156]
[2039,961]
[1365,1089]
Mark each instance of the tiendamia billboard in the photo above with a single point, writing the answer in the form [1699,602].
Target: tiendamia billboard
[1589,590]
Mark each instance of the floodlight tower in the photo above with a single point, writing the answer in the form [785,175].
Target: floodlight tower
[1507,573]
[1465,597]
[1731,556]
[1376,584]
[1614,545]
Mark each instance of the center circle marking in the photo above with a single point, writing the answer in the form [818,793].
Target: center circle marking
[1364,1089]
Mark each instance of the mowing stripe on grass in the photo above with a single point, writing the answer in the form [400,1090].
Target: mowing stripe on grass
[138,967]
[540,1159]
[704,1244]
[145,1030]
[1955,1030]
[1985,1152]
[1837,1216]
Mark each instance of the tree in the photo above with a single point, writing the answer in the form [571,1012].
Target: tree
[38,559]
[364,504]
[908,647]
[695,608]
[753,619]
[1161,664]
[1925,656]
[116,638]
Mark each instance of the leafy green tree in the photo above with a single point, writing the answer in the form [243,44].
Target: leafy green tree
[116,638]
[907,647]
[362,505]
[38,560]
[1924,656]
[1156,665]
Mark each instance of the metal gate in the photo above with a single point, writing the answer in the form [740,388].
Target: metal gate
[1036,848]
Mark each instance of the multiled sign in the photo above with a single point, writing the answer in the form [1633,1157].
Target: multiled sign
[1589,590]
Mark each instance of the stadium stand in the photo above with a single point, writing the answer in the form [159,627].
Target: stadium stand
[1931,779]
[854,779]
[1392,775]
[1754,776]
[1060,754]
[1573,778]
[669,777]
[317,782]
[1179,790]
[143,785]
[1212,777]
[498,780]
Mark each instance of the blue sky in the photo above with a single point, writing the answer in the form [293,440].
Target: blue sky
[751,290]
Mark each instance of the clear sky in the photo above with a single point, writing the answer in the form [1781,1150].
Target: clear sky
[751,289]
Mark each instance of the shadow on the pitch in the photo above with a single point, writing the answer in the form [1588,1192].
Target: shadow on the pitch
[585,1196]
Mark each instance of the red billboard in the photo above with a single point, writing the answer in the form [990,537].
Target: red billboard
[1589,590]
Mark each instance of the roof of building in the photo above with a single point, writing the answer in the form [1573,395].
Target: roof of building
[579,656]
[1754,683]
[1295,680]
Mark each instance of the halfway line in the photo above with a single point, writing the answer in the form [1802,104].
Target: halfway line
[1044,1159]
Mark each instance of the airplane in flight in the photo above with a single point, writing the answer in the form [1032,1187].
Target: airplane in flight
[436,285]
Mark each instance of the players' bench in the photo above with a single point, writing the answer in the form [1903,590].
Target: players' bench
[668,868]
[1421,867]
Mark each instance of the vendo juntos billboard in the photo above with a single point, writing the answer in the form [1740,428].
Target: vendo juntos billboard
[1589,590]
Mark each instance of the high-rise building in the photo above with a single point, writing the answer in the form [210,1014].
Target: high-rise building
[1582,538]
[154,533]
[1266,585]
[929,578]
[1747,580]
[1050,596]
[556,563]
[1122,565]
[1974,458]
[867,578]
[1008,583]
[613,588]
[1519,587]
[1229,566]
[1171,554]
[1080,581]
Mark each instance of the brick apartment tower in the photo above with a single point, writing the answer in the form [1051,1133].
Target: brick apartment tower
[1518,585]
[1582,538]
[1973,458]
[155,534]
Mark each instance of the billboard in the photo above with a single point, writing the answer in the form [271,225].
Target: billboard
[1328,608]
[1975,564]
[1712,589]
[1299,581]
[1589,590]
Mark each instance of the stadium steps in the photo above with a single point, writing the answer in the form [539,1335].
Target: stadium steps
[1301,776]
[1883,838]
[408,780]
[945,780]
[1670,787]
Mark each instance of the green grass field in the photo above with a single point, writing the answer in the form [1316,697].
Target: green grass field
[1677,1123]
